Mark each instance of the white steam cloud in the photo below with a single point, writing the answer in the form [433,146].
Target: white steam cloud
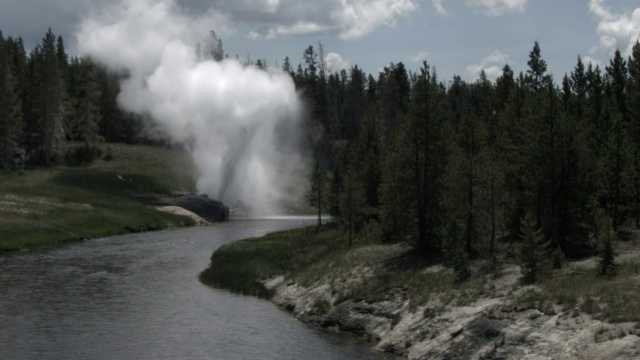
[238,122]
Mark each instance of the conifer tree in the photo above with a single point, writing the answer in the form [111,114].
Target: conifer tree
[426,159]
[395,195]
[578,83]
[605,238]
[633,96]
[316,194]
[48,97]
[87,107]
[615,119]
[535,263]
[537,68]
[10,108]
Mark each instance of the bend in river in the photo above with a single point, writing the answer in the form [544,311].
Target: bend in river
[138,297]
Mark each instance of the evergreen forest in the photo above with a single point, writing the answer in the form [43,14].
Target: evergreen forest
[452,167]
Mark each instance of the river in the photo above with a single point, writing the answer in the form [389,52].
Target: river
[138,297]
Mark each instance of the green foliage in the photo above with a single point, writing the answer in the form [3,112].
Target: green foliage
[537,69]
[535,263]
[240,266]
[316,195]
[605,238]
[398,156]
[457,253]
[46,206]
[461,266]
[81,155]
[321,306]
[606,299]
[10,107]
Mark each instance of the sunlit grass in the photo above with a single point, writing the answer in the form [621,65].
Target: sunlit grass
[47,206]
[373,272]
[308,257]
[241,265]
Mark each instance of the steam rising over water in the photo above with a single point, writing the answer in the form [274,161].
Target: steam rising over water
[239,123]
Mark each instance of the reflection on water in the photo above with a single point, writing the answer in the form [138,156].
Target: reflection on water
[138,297]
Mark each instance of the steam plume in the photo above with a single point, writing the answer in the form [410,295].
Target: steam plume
[237,121]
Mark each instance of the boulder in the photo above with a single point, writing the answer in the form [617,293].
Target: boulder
[202,205]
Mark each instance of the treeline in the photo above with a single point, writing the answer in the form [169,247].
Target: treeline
[451,166]
[458,167]
[49,100]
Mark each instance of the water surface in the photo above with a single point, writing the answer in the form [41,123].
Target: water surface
[138,297]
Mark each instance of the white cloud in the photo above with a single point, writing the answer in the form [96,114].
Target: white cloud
[616,31]
[335,63]
[497,7]
[349,19]
[437,4]
[299,28]
[492,66]
[419,57]
[590,60]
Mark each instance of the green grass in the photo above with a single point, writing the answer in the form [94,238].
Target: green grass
[615,299]
[307,257]
[373,272]
[240,266]
[47,206]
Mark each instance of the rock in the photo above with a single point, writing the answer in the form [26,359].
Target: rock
[457,330]
[201,205]
[177,210]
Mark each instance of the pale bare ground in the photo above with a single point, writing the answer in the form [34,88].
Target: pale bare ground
[176,210]
[490,324]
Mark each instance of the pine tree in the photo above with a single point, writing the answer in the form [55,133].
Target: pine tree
[457,253]
[605,238]
[617,127]
[212,48]
[48,93]
[286,67]
[87,116]
[426,159]
[633,94]
[395,194]
[535,263]
[578,82]
[537,68]
[10,109]
[394,96]
[617,73]
[316,194]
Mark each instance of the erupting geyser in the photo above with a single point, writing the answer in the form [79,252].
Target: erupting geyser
[238,122]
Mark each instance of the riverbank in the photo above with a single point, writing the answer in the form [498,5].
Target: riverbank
[116,194]
[410,306]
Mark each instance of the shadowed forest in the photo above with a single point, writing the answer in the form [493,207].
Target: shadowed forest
[453,167]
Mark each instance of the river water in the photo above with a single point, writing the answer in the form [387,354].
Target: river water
[138,297]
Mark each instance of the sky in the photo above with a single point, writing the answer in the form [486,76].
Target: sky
[457,37]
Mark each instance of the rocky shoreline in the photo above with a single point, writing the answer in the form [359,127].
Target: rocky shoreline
[495,326]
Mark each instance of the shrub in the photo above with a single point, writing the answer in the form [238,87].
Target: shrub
[80,155]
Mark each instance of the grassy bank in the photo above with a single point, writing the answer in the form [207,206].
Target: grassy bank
[240,265]
[307,257]
[374,272]
[113,195]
